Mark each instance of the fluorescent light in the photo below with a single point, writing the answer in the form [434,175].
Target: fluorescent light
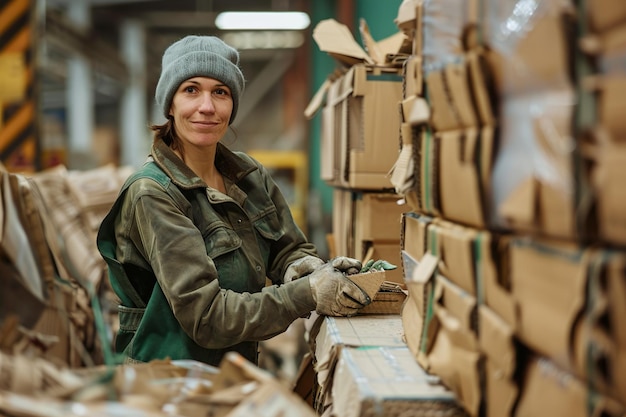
[284,39]
[262,20]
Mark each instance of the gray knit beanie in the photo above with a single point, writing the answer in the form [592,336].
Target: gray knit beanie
[194,56]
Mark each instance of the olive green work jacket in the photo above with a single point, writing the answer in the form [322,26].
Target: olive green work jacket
[189,263]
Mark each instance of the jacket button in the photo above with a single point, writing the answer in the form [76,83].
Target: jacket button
[258,268]
[239,221]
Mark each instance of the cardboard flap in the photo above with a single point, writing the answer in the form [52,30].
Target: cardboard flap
[317,101]
[456,304]
[369,282]
[496,340]
[420,112]
[408,12]
[425,269]
[336,39]
[456,78]
[520,206]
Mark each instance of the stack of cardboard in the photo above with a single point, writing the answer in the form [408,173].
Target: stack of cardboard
[513,249]
[360,140]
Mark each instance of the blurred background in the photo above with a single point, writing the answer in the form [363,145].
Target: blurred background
[90,68]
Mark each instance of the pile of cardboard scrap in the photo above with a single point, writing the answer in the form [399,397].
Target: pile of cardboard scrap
[51,274]
[37,388]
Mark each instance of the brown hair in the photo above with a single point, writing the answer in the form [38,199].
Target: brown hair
[167,133]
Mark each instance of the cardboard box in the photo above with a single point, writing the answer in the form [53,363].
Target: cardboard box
[333,334]
[377,216]
[387,381]
[463,142]
[361,111]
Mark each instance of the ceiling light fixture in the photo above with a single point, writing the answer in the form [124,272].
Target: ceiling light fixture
[262,21]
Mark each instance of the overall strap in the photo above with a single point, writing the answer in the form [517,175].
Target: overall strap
[107,243]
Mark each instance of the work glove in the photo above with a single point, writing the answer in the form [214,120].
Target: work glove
[348,266]
[334,294]
[302,267]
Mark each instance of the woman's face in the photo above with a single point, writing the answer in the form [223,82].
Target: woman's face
[201,108]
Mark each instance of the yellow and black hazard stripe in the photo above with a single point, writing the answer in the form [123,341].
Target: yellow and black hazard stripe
[18,127]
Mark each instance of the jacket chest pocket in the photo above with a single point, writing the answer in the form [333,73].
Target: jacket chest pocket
[269,226]
[221,240]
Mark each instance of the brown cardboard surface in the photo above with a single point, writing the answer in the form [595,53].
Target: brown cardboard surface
[611,106]
[493,276]
[607,179]
[413,234]
[387,381]
[372,138]
[336,39]
[457,82]
[369,282]
[343,231]
[606,14]
[443,113]
[453,244]
[385,302]
[413,76]
[549,391]
[378,216]
[548,280]
[540,55]
[427,171]
[459,177]
[496,341]
[454,355]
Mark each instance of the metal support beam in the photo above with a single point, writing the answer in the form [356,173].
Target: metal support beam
[267,78]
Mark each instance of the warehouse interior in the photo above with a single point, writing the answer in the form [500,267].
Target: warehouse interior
[470,155]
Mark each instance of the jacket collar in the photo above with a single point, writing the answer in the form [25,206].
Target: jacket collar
[231,165]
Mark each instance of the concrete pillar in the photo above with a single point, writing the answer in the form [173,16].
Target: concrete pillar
[135,136]
[80,97]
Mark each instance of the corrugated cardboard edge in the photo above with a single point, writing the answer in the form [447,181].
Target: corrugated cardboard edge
[369,282]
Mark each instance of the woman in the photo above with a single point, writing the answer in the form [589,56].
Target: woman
[195,232]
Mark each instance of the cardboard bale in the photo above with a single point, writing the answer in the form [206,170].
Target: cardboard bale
[387,381]
[335,333]
[533,188]
[462,142]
